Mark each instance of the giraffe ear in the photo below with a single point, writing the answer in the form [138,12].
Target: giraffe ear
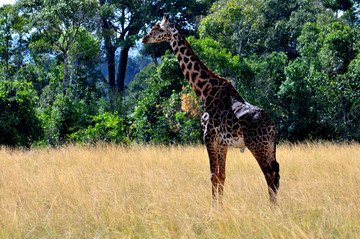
[165,20]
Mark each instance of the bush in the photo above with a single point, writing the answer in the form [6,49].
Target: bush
[62,118]
[19,125]
[159,117]
[107,127]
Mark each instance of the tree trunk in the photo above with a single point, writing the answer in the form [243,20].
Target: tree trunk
[346,131]
[124,54]
[65,80]
[110,56]
[18,56]
[7,58]
[153,56]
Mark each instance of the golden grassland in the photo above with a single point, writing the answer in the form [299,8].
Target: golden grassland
[110,191]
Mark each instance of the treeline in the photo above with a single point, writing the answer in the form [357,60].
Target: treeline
[299,60]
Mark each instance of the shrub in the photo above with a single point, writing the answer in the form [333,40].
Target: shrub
[19,125]
[107,127]
[62,118]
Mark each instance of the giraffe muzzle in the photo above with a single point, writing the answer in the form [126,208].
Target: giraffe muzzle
[145,39]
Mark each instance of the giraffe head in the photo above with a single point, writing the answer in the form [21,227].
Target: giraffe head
[162,31]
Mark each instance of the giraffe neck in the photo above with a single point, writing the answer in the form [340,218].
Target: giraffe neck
[196,73]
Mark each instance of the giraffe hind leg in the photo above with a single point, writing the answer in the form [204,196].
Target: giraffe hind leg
[264,153]
[272,179]
[276,168]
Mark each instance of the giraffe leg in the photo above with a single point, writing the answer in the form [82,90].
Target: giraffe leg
[211,146]
[222,150]
[264,153]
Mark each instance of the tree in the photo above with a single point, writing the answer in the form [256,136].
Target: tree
[329,48]
[57,24]
[299,54]
[6,31]
[338,5]
[247,27]
[351,87]
[158,117]
[155,50]
[221,61]
[123,23]
[139,84]
[14,40]
[262,89]
[19,124]
[235,24]
[298,96]
[108,33]
[105,127]
[85,77]
[62,118]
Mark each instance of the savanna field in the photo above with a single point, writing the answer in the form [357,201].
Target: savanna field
[110,191]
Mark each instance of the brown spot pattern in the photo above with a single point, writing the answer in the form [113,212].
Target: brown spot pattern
[229,120]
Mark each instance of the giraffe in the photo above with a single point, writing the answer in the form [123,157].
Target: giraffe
[228,121]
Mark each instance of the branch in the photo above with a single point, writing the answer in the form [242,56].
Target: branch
[71,39]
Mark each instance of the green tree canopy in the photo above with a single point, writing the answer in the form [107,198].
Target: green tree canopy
[57,25]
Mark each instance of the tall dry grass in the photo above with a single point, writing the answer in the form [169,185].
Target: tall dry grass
[164,192]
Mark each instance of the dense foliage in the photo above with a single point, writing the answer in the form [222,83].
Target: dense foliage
[299,60]
[19,124]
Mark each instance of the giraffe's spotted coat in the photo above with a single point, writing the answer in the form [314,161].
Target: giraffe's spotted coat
[228,121]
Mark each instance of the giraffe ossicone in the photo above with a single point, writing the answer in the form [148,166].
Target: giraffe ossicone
[228,121]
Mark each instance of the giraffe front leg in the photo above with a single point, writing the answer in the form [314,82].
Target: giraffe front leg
[212,148]
[222,151]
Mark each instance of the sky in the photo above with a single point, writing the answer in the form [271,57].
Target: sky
[2,2]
